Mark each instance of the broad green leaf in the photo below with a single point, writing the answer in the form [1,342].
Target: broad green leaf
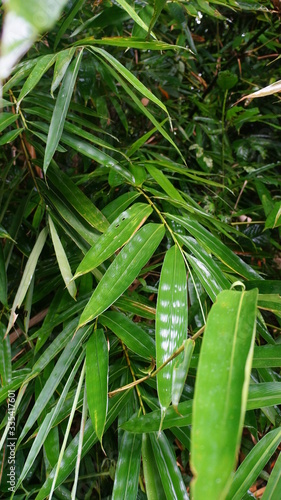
[60,110]
[221,391]
[62,260]
[77,199]
[133,336]
[273,489]
[170,475]
[90,438]
[216,247]
[63,60]
[10,136]
[208,272]
[128,42]
[164,182]
[97,380]
[274,218]
[118,233]
[6,119]
[260,396]
[128,468]
[270,302]
[171,320]
[136,306]
[133,14]
[124,269]
[116,206]
[27,276]
[267,356]
[253,464]
[180,372]
[42,65]
[153,485]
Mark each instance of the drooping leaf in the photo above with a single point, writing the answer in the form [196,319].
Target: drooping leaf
[60,110]
[27,276]
[97,380]
[273,488]
[42,65]
[253,464]
[171,320]
[118,233]
[128,467]
[171,478]
[180,372]
[123,270]
[63,60]
[63,262]
[153,485]
[221,391]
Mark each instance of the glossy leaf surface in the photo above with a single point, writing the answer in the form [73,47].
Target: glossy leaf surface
[128,467]
[97,380]
[221,391]
[171,320]
[123,270]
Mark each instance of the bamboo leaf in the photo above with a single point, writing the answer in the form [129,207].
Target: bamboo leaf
[133,336]
[42,65]
[62,260]
[171,320]
[118,233]
[27,276]
[153,484]
[6,119]
[128,468]
[10,136]
[90,438]
[172,481]
[274,218]
[222,378]
[124,269]
[77,199]
[62,62]
[132,13]
[97,380]
[273,489]
[269,90]
[253,464]
[5,358]
[3,279]
[180,372]
[60,110]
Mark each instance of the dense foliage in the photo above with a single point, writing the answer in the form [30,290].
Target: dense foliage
[140,251]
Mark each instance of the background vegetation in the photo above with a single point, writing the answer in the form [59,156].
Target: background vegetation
[140,249]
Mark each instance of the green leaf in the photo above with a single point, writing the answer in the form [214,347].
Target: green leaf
[60,110]
[62,62]
[216,247]
[62,260]
[10,136]
[128,42]
[118,233]
[164,182]
[158,7]
[68,20]
[132,13]
[125,73]
[6,119]
[97,380]
[273,489]
[274,218]
[77,199]
[267,356]
[171,478]
[128,468]
[90,438]
[133,336]
[27,276]
[153,484]
[253,464]
[118,205]
[42,65]
[171,320]
[124,269]
[180,372]
[222,378]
